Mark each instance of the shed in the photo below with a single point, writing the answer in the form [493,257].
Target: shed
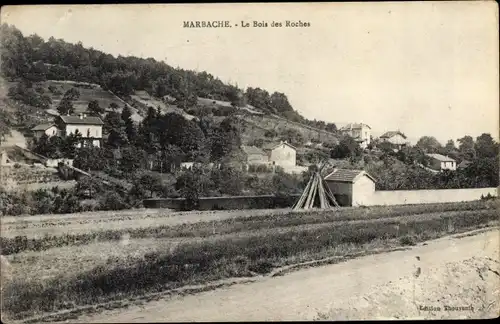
[351,187]
[441,162]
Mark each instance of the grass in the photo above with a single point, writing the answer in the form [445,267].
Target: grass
[240,254]
[270,220]
[86,95]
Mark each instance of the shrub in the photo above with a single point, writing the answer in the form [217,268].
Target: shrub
[111,200]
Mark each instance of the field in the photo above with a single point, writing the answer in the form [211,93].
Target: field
[52,263]
[88,92]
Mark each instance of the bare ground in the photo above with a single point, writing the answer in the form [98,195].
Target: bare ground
[458,271]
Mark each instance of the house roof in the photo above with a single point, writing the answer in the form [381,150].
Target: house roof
[252,150]
[392,133]
[464,164]
[272,146]
[89,120]
[346,175]
[42,127]
[440,157]
[354,126]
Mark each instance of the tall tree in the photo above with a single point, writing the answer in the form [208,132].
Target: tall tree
[429,144]
[128,123]
[485,146]
[94,108]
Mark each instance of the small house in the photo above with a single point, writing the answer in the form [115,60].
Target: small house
[282,154]
[441,162]
[255,155]
[351,187]
[89,127]
[49,129]
[397,139]
[360,132]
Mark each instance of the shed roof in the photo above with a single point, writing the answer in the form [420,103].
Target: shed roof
[272,146]
[390,134]
[89,120]
[252,150]
[440,157]
[354,126]
[346,175]
[42,127]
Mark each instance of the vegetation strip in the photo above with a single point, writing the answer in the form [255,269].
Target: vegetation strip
[205,261]
[228,226]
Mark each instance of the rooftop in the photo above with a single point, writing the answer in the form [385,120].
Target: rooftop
[392,133]
[346,175]
[440,157]
[272,146]
[42,127]
[87,120]
[354,126]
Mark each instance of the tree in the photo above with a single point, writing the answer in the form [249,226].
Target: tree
[113,106]
[65,107]
[347,148]
[466,147]
[429,144]
[88,187]
[94,108]
[129,126]
[72,94]
[485,146]
[149,183]
[91,159]
[115,128]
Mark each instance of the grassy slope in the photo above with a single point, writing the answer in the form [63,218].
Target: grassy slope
[248,246]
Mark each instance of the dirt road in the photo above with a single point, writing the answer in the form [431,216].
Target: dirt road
[453,271]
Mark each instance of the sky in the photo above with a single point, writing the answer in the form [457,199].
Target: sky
[424,68]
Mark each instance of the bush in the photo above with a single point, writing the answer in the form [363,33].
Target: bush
[111,200]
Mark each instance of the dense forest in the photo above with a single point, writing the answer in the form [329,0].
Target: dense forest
[33,59]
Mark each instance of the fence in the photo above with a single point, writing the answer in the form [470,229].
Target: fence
[226,203]
[402,197]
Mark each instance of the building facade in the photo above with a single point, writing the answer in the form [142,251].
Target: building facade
[255,155]
[441,162]
[360,132]
[397,139]
[45,129]
[90,128]
[282,154]
[351,187]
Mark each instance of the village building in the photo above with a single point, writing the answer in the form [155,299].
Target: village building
[89,127]
[351,187]
[360,132]
[441,162]
[282,154]
[255,155]
[48,129]
[397,139]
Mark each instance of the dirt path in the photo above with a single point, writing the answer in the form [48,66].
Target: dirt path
[15,138]
[451,271]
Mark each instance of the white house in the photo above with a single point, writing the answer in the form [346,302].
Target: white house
[47,129]
[359,131]
[351,187]
[395,138]
[441,162]
[282,154]
[89,127]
